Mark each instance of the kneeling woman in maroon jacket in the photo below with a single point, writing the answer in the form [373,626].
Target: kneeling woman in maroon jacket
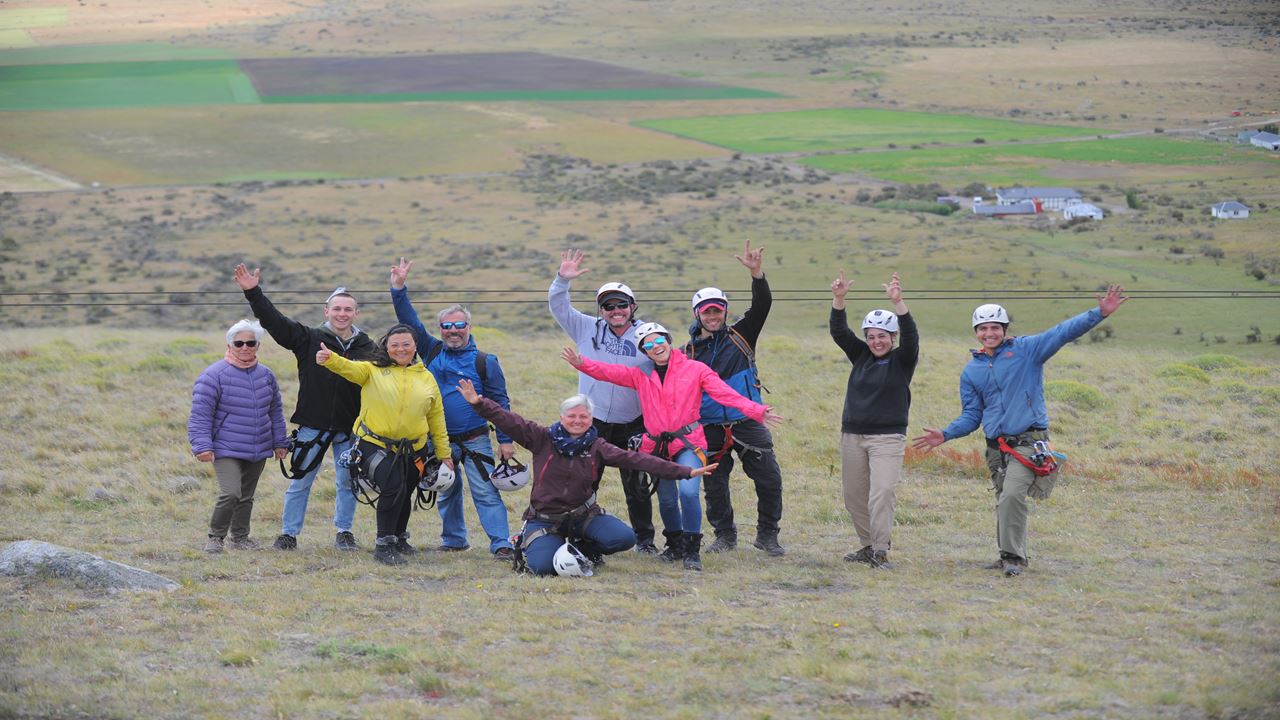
[562,503]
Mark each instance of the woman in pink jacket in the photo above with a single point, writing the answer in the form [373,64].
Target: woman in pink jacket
[670,401]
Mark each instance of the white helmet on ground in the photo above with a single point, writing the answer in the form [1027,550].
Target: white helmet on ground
[649,328]
[990,313]
[614,289]
[709,294]
[441,481]
[881,319]
[509,475]
[569,562]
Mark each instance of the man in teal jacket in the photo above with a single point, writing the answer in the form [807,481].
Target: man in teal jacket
[1002,389]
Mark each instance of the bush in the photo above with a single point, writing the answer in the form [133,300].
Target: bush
[1181,371]
[1215,361]
[1131,198]
[1077,395]
[917,206]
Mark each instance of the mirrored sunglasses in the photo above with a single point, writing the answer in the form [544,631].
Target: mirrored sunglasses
[660,340]
[456,325]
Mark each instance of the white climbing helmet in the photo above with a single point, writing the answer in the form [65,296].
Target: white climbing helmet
[441,481]
[881,319]
[614,288]
[649,328]
[509,475]
[709,294]
[569,562]
[990,313]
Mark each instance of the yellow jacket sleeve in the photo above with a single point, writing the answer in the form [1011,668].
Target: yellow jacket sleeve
[357,372]
[435,421]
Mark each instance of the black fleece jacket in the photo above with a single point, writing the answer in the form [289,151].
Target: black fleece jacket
[879,393]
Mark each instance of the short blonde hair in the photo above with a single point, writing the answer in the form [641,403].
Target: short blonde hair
[242,326]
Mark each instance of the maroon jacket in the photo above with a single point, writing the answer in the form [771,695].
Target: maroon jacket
[560,483]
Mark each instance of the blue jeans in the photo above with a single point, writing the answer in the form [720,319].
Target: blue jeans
[488,501]
[295,498]
[605,534]
[678,501]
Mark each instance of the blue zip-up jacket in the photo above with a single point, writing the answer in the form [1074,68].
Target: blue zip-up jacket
[450,366]
[721,354]
[1005,392]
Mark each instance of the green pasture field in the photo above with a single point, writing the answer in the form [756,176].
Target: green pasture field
[32,17]
[109,53]
[70,86]
[1150,590]
[1035,163]
[843,129]
[585,95]
[259,142]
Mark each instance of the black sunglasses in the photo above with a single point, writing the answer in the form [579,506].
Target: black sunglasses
[611,306]
[244,343]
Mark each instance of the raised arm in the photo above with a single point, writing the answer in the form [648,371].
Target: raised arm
[838,322]
[404,308]
[522,431]
[610,372]
[287,332]
[357,371]
[576,324]
[753,319]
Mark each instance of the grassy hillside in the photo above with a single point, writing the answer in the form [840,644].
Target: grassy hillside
[1149,593]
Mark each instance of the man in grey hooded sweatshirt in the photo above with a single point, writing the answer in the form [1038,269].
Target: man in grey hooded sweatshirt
[609,336]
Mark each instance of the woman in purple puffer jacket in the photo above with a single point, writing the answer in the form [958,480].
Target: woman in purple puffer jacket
[237,423]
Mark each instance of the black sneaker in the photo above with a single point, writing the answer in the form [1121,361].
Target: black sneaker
[345,541]
[646,547]
[880,560]
[403,547]
[723,543]
[1012,565]
[285,542]
[451,548]
[387,555]
[863,555]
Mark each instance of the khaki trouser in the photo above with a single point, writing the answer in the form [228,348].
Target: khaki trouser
[237,481]
[1011,480]
[870,468]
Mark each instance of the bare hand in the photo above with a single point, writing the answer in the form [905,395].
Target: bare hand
[399,273]
[931,439]
[752,260]
[206,456]
[699,472]
[1114,298]
[570,264]
[506,451]
[468,391]
[447,462]
[840,287]
[772,418]
[572,357]
[281,452]
[322,355]
[893,289]
[245,279]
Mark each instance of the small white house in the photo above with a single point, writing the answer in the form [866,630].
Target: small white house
[1004,209]
[1082,210]
[1270,141]
[1230,209]
[1049,198]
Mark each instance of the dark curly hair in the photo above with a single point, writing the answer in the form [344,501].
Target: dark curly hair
[381,357]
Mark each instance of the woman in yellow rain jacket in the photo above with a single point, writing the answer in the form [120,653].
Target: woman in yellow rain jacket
[400,405]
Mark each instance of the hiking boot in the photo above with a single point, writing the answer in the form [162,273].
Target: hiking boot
[675,547]
[692,560]
[345,541]
[213,545]
[451,548]
[724,542]
[880,560]
[863,555]
[768,542]
[403,547]
[1012,565]
[646,547]
[504,554]
[997,564]
[384,551]
[244,543]
[285,542]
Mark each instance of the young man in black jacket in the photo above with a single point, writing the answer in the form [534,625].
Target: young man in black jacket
[730,351]
[327,404]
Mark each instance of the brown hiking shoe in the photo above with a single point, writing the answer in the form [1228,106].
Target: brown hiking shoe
[213,545]
[244,543]
[863,555]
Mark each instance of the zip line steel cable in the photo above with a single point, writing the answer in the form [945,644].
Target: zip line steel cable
[117,298]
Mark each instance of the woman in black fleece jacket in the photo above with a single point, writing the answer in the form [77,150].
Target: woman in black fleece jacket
[874,426]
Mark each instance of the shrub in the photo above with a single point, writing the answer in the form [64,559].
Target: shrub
[917,206]
[1215,361]
[1181,371]
[1077,395]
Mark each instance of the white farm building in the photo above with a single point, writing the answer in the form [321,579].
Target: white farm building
[1230,210]
[1048,198]
[1082,210]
